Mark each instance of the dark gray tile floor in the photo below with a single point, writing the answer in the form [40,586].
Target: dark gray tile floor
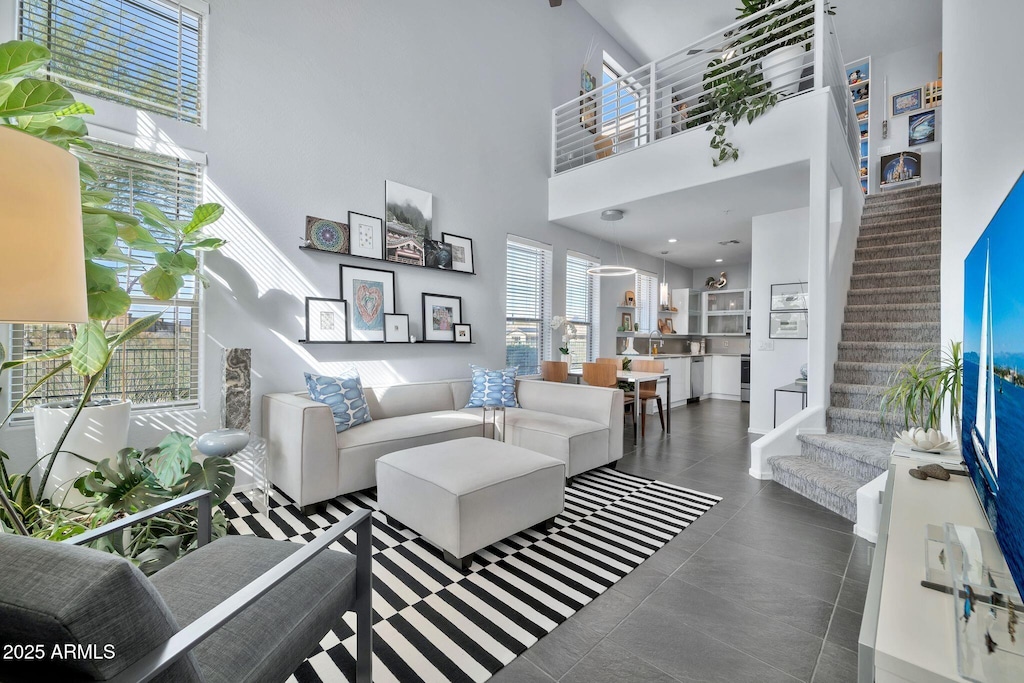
[767,586]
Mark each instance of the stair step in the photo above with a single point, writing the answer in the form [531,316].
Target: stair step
[884,296]
[906,250]
[847,372]
[820,483]
[926,194]
[883,352]
[893,313]
[896,264]
[896,237]
[891,332]
[859,457]
[881,215]
[863,422]
[859,396]
[903,278]
[901,223]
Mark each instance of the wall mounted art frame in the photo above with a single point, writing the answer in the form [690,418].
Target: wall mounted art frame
[396,328]
[327,235]
[787,325]
[441,312]
[462,252]
[437,255]
[789,296]
[921,128]
[326,320]
[408,222]
[906,102]
[371,294]
[896,168]
[463,333]
[366,236]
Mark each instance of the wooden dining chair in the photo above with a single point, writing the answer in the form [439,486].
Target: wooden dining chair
[617,362]
[604,374]
[649,391]
[554,371]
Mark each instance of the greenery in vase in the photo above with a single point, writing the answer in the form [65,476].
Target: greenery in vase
[923,388]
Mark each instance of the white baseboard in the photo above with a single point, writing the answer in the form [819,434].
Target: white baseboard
[725,397]
[759,432]
[758,474]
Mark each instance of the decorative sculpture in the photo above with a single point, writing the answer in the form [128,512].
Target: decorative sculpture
[712,283]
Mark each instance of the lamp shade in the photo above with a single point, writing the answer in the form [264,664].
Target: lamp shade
[42,256]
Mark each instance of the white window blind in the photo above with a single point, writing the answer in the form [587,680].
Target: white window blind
[527,303]
[147,54]
[582,306]
[647,301]
[161,365]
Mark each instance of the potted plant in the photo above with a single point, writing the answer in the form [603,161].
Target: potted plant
[922,390]
[557,323]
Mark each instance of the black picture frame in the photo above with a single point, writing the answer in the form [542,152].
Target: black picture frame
[789,296]
[780,325]
[461,265]
[455,317]
[399,336]
[348,274]
[463,333]
[375,253]
[318,337]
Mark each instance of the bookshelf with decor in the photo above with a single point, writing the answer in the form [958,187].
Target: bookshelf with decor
[858,78]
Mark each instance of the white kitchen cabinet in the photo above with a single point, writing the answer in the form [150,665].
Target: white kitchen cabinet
[725,376]
[687,319]
[708,376]
[724,312]
[681,382]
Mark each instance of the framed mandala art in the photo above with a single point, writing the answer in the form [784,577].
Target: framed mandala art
[327,235]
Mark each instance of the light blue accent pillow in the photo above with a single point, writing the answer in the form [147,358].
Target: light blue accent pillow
[493,387]
[344,395]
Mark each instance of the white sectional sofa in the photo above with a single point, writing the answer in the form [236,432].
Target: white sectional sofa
[311,462]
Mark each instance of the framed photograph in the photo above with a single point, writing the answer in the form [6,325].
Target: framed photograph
[366,236]
[408,218]
[906,102]
[371,295]
[921,128]
[437,254]
[791,325]
[627,322]
[462,252]
[790,296]
[327,235]
[326,320]
[396,328]
[441,313]
[463,333]
[899,167]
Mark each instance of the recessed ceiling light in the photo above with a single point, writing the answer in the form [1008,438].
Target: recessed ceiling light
[718,260]
[672,240]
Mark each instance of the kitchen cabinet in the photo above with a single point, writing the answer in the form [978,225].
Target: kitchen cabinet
[679,369]
[708,376]
[725,376]
[725,311]
[687,319]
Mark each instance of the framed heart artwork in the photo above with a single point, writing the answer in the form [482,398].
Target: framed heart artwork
[370,293]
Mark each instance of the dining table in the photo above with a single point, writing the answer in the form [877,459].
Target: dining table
[634,379]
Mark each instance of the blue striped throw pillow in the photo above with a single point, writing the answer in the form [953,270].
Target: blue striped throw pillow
[493,387]
[344,395]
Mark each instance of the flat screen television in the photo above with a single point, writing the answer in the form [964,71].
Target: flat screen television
[992,428]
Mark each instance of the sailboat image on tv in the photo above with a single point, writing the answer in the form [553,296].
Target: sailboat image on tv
[983,431]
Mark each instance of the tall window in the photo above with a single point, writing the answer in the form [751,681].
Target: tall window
[647,301]
[621,110]
[147,54]
[161,365]
[582,304]
[527,303]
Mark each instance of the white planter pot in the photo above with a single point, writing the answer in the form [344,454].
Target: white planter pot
[99,432]
[783,67]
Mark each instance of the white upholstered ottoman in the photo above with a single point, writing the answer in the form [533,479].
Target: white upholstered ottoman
[466,494]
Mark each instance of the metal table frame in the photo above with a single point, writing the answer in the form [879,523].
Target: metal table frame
[793,388]
[635,378]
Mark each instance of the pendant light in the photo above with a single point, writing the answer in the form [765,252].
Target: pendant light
[620,268]
[663,289]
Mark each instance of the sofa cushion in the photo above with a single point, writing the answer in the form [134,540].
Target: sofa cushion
[398,400]
[408,427]
[344,395]
[493,387]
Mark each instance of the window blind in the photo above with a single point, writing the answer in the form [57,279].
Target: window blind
[147,54]
[527,302]
[646,301]
[160,367]
[582,297]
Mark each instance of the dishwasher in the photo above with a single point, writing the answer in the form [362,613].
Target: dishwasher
[696,378]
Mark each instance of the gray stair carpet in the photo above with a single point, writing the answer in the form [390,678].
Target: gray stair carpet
[891,318]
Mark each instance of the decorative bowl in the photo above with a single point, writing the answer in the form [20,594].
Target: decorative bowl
[925,440]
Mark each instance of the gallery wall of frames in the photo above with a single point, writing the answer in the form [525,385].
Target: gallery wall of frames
[364,312]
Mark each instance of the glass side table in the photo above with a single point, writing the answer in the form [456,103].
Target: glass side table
[494,409]
[252,461]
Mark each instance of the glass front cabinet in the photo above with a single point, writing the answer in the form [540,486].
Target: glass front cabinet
[725,312]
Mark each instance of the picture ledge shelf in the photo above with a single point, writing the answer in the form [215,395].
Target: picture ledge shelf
[381,261]
[382,343]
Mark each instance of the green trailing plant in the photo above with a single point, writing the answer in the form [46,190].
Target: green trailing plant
[922,389]
[739,95]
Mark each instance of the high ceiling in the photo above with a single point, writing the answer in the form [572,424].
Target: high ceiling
[702,216]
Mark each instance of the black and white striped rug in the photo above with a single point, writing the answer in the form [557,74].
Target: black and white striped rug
[432,623]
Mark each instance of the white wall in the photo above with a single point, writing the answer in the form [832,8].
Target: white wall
[779,242]
[981,50]
[310,110]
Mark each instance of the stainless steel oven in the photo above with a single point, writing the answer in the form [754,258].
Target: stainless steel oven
[745,378]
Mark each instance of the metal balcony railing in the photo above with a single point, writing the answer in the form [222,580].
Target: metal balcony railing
[774,51]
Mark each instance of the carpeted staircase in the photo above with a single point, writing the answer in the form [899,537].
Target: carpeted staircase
[892,317]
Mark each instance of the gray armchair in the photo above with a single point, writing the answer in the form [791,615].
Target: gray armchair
[241,609]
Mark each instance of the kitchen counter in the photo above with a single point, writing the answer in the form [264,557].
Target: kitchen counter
[682,355]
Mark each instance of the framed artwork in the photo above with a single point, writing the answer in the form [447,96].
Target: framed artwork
[792,325]
[627,322]
[396,328]
[629,299]
[933,94]
[326,320]
[437,254]
[441,313]
[899,167]
[371,295]
[463,333]
[791,296]
[408,219]
[366,236]
[906,102]
[462,252]
[921,128]
[587,82]
[327,235]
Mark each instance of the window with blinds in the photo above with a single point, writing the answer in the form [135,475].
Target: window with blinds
[147,54]
[646,301]
[527,303]
[160,367]
[582,306]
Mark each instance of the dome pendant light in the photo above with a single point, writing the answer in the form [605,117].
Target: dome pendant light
[620,268]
